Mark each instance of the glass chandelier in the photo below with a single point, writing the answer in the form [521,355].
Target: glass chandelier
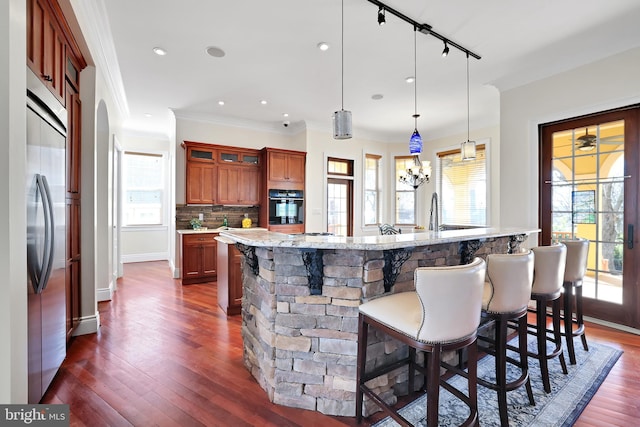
[417,174]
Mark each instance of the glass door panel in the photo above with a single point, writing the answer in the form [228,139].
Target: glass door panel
[585,197]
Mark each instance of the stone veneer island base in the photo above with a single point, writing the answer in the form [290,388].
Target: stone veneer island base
[301,298]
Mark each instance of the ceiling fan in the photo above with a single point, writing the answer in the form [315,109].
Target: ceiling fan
[586,142]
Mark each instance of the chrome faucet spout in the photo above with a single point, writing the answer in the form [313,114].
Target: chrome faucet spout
[434,221]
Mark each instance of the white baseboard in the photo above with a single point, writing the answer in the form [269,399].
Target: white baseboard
[105,294]
[87,325]
[158,256]
[612,325]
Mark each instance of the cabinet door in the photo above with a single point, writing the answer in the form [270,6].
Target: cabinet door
[73,140]
[35,35]
[201,178]
[295,168]
[277,166]
[228,184]
[209,258]
[191,260]
[249,186]
[235,277]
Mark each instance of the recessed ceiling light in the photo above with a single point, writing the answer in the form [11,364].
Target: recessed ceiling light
[216,52]
[220,102]
[148,115]
[159,51]
[263,102]
[323,46]
[410,79]
[285,114]
[377,96]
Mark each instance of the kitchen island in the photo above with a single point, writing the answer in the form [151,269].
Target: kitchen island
[300,305]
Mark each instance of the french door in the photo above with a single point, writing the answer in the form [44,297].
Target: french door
[589,184]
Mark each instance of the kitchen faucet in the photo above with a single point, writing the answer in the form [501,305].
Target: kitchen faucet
[434,222]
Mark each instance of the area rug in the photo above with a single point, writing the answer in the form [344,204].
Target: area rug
[569,395]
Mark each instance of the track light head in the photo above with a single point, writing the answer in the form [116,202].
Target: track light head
[445,51]
[381,16]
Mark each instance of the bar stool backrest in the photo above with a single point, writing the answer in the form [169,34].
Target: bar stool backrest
[510,277]
[577,253]
[451,299]
[548,268]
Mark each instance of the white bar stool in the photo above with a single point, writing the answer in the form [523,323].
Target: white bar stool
[442,314]
[576,267]
[548,275]
[507,291]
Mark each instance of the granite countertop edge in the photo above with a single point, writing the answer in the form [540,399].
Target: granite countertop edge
[260,237]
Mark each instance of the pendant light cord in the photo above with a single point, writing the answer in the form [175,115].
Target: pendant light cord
[342,59]
[468,132]
[415,78]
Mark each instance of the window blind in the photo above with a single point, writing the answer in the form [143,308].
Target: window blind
[463,188]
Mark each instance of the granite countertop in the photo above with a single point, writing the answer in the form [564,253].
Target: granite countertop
[260,237]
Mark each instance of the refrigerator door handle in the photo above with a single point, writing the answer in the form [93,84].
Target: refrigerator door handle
[49,227]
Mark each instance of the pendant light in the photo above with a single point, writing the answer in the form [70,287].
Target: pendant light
[342,118]
[468,148]
[415,143]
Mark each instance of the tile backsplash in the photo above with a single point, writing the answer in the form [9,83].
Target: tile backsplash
[214,215]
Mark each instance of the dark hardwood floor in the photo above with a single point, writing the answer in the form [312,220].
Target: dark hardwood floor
[166,355]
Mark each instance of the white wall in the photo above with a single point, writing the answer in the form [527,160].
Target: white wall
[149,243]
[602,85]
[13,291]
[320,146]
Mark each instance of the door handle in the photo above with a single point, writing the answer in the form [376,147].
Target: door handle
[630,236]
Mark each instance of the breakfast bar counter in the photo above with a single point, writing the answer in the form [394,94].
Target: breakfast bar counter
[301,294]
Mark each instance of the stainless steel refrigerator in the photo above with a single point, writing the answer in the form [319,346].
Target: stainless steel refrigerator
[46,235]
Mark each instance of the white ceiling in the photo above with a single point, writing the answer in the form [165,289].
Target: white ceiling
[271,54]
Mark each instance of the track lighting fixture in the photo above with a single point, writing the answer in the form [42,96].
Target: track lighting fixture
[445,51]
[424,28]
[381,16]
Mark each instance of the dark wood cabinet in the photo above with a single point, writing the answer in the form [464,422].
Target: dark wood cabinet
[238,185]
[220,175]
[282,170]
[229,278]
[55,58]
[286,168]
[199,259]
[46,46]
[73,139]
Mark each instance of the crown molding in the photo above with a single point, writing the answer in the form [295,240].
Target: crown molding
[92,18]
[278,128]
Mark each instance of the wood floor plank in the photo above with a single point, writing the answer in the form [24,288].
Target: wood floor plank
[166,355]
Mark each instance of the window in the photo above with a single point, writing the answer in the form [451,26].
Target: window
[340,196]
[372,191]
[463,188]
[143,191]
[405,194]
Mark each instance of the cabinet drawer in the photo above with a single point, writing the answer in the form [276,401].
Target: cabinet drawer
[201,237]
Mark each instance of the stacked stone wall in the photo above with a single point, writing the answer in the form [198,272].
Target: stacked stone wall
[302,348]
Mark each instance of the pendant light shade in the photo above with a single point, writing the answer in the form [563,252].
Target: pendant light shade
[342,118]
[415,143]
[342,125]
[468,150]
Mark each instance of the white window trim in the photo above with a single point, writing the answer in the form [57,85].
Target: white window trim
[381,195]
[165,193]
[437,172]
